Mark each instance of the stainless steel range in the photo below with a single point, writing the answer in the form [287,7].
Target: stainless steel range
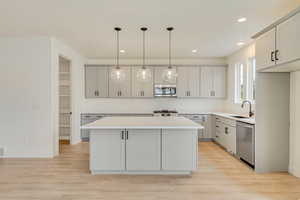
[165,113]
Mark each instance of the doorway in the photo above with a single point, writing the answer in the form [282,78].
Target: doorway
[65,110]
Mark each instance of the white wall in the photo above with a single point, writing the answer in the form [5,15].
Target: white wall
[240,56]
[25,102]
[58,48]
[294,165]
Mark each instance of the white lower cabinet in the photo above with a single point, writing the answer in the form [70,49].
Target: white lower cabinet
[143,150]
[231,139]
[179,150]
[107,150]
[226,134]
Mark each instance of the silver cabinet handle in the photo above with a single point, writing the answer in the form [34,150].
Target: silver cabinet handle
[127,135]
[120,93]
[276,55]
[122,135]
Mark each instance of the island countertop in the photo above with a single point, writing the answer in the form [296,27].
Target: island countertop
[143,123]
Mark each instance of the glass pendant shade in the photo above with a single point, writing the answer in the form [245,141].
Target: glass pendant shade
[117,74]
[169,75]
[144,75]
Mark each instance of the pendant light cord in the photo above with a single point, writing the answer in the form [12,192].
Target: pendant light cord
[170,49]
[118,46]
[118,50]
[143,49]
[144,29]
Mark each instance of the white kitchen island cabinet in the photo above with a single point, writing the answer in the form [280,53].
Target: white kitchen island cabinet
[143,145]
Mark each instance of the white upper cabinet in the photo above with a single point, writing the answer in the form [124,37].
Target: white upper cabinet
[265,50]
[188,81]
[120,88]
[278,50]
[219,82]
[142,88]
[213,82]
[288,40]
[158,73]
[96,82]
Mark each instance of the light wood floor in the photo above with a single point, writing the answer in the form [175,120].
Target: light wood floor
[219,177]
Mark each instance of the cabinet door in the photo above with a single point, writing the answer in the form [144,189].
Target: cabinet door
[264,49]
[102,82]
[206,81]
[91,82]
[287,40]
[193,81]
[219,82]
[231,139]
[179,150]
[207,125]
[143,150]
[158,73]
[182,82]
[121,88]
[107,150]
[140,88]
[125,85]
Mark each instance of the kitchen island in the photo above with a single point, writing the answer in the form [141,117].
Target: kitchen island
[143,145]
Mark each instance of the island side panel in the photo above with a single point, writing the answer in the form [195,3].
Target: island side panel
[179,149]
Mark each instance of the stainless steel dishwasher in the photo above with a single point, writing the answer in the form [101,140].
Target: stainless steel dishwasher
[246,142]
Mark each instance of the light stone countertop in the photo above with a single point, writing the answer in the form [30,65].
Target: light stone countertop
[143,123]
[230,116]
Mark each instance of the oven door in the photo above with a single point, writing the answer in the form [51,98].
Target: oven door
[165,91]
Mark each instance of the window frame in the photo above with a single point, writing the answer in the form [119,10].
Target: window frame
[249,77]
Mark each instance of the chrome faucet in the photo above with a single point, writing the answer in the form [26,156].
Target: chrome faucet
[251,113]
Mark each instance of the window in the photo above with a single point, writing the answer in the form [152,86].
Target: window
[245,81]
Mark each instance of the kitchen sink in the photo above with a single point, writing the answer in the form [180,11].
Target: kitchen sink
[239,117]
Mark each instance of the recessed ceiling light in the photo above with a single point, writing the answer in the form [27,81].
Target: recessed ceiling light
[243,19]
[122,51]
[194,50]
[240,43]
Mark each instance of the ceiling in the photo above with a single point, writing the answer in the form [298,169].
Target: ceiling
[210,26]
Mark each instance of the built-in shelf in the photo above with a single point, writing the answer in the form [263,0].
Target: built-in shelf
[64,100]
[64,83]
[64,126]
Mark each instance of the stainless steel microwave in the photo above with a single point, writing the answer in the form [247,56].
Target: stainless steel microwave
[165,91]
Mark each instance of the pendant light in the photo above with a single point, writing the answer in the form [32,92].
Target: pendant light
[169,75]
[117,73]
[144,74]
